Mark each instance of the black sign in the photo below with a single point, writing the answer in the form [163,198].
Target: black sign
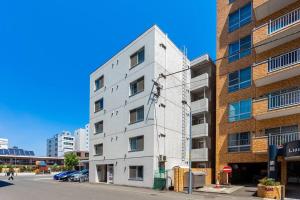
[292,149]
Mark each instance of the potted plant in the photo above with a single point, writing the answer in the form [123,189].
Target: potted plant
[269,188]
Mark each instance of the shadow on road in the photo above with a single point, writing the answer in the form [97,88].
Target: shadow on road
[4,184]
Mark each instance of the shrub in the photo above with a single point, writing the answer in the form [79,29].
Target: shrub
[269,182]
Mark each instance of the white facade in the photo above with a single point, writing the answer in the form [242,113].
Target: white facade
[60,144]
[82,138]
[3,143]
[111,157]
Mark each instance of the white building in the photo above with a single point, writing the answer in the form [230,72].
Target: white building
[3,143]
[60,144]
[82,138]
[136,129]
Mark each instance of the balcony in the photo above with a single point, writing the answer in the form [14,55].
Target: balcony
[200,154]
[199,81]
[277,32]
[264,8]
[199,106]
[277,68]
[200,130]
[282,138]
[284,104]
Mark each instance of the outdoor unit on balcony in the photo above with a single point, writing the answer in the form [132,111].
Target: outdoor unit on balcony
[162,158]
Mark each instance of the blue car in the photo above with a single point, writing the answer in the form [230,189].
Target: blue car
[67,177]
[80,176]
[62,174]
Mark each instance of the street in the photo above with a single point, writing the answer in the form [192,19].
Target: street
[43,187]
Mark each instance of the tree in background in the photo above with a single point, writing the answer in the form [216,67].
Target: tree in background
[71,160]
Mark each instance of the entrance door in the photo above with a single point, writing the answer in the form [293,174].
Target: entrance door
[110,173]
[293,172]
[293,180]
[102,173]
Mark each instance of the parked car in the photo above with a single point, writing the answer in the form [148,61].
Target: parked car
[80,176]
[62,174]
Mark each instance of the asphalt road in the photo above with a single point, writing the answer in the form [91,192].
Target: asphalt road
[44,188]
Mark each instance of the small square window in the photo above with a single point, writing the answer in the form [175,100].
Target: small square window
[136,173]
[99,127]
[137,58]
[99,83]
[137,115]
[98,149]
[99,105]
[137,86]
[136,143]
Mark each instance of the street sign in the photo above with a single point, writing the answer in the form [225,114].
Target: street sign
[227,169]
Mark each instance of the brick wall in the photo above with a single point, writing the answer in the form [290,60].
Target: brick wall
[258,151]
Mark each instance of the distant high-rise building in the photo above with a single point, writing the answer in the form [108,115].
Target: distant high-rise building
[82,138]
[60,144]
[3,143]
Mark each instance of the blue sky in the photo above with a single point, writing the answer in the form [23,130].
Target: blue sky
[49,48]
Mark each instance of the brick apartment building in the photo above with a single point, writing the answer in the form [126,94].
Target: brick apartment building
[258,89]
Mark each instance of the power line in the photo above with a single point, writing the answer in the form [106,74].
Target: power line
[237,53]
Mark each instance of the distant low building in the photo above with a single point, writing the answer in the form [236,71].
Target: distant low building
[15,156]
[60,144]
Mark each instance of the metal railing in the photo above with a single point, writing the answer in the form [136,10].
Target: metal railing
[284,21]
[284,60]
[284,99]
[282,138]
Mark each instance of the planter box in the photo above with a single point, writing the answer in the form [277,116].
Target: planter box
[271,192]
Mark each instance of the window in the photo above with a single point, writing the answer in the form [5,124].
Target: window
[239,49]
[137,58]
[198,143]
[98,149]
[99,105]
[239,79]
[137,86]
[136,173]
[99,83]
[239,142]
[136,143]
[240,110]
[99,127]
[137,115]
[68,143]
[282,130]
[68,138]
[240,17]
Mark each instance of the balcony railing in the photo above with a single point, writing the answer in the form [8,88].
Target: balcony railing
[282,138]
[284,60]
[284,100]
[284,21]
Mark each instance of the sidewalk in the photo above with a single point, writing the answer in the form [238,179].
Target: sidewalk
[222,190]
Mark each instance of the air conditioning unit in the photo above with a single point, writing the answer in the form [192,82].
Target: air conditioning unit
[162,158]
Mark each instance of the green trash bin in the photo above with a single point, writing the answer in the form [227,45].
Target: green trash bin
[159,183]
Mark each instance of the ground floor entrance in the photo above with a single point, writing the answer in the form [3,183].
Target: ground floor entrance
[105,173]
[247,173]
[293,179]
